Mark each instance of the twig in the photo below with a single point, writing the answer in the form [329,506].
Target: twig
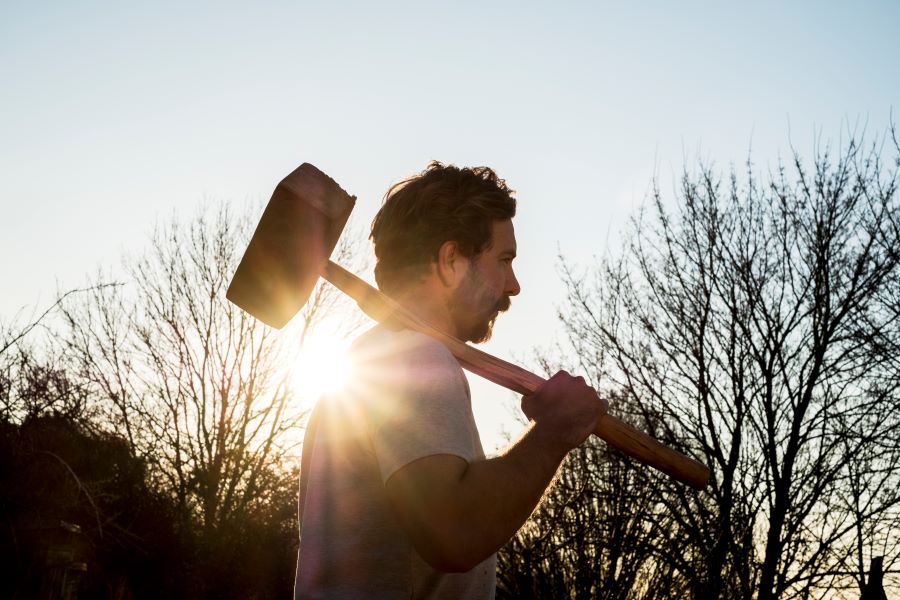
[59,300]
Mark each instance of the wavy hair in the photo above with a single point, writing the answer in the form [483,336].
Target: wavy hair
[442,203]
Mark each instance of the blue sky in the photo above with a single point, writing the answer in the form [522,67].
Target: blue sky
[113,115]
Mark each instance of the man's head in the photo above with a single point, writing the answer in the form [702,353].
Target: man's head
[447,212]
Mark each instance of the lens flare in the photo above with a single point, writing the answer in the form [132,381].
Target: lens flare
[323,366]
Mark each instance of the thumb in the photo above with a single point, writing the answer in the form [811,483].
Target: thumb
[527,404]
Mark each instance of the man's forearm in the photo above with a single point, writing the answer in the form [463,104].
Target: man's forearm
[504,491]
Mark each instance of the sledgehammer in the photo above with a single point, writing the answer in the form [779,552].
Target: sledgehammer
[290,250]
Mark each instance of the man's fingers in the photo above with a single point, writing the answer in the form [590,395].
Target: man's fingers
[561,387]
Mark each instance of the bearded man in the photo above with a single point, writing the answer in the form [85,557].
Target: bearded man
[397,498]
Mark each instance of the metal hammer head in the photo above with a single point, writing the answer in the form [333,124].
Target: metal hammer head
[295,236]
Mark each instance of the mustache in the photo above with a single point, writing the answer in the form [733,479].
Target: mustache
[503,304]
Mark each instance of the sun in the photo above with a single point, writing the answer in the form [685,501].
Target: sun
[323,365]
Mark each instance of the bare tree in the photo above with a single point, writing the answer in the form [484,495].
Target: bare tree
[200,389]
[33,380]
[757,328]
[597,535]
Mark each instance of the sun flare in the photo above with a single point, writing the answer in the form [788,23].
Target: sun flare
[323,365]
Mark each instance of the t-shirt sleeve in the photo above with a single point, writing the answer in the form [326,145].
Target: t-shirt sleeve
[427,411]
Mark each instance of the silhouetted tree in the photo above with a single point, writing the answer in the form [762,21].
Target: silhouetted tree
[199,388]
[34,383]
[755,328]
[597,535]
[194,389]
[76,505]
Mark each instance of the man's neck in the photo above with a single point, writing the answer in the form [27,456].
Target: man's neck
[428,305]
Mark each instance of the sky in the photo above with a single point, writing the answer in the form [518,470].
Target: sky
[115,115]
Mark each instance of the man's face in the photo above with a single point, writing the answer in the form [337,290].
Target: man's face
[487,286]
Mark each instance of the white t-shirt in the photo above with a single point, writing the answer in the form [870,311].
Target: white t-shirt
[407,400]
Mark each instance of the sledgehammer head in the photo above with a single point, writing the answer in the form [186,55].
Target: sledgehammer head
[295,237]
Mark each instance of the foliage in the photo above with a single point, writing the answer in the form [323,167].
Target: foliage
[65,488]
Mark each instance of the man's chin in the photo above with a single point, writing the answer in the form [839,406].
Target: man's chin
[482,333]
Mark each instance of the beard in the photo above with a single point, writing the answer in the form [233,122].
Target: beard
[484,333]
[475,308]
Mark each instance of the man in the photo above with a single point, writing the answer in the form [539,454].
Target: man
[397,497]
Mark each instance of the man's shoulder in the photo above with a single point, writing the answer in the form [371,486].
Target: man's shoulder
[404,345]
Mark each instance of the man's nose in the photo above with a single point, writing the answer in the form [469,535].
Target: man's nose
[512,285]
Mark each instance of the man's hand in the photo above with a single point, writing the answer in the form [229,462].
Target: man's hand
[565,411]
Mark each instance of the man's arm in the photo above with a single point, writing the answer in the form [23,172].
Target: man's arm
[458,513]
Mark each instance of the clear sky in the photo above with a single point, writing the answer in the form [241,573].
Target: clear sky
[114,114]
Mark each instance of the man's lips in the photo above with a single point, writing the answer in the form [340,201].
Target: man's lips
[502,306]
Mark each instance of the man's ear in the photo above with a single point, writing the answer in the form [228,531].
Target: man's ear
[451,264]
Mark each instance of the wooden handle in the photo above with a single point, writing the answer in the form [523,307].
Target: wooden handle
[616,433]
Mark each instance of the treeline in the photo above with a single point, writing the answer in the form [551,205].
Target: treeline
[150,434]
[82,520]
